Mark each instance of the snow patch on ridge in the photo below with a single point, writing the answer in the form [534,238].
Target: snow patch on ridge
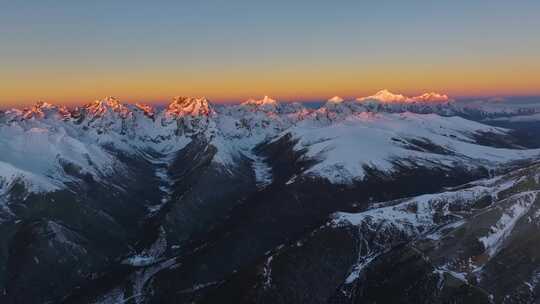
[388,223]
[263,172]
[521,204]
[37,154]
[150,255]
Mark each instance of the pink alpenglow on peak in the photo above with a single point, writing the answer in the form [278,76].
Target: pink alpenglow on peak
[267,104]
[259,102]
[38,110]
[431,97]
[44,105]
[386,96]
[45,110]
[147,110]
[189,106]
[336,99]
[64,112]
[101,107]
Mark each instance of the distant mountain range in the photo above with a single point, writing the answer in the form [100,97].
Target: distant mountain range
[432,199]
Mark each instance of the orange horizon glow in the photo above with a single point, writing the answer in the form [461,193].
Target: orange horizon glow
[469,77]
[79,101]
[292,85]
[75,52]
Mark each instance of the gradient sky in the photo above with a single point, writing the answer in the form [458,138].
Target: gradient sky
[77,51]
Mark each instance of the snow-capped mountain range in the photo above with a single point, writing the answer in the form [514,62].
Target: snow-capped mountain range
[346,136]
[111,202]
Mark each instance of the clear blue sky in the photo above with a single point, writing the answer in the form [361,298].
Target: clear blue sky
[75,50]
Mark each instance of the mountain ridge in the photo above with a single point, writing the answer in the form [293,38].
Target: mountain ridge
[131,202]
[237,129]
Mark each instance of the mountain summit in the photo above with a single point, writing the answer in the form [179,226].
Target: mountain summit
[336,99]
[266,100]
[189,106]
[386,96]
[107,106]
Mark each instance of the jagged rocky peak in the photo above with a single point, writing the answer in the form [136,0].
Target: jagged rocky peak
[42,109]
[108,104]
[43,105]
[271,107]
[148,110]
[189,106]
[38,110]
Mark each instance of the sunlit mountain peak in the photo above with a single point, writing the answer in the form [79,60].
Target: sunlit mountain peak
[385,96]
[336,99]
[191,106]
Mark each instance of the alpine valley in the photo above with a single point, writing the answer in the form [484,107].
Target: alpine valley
[383,199]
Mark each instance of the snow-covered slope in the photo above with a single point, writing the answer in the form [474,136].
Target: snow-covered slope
[37,143]
[44,153]
[379,140]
